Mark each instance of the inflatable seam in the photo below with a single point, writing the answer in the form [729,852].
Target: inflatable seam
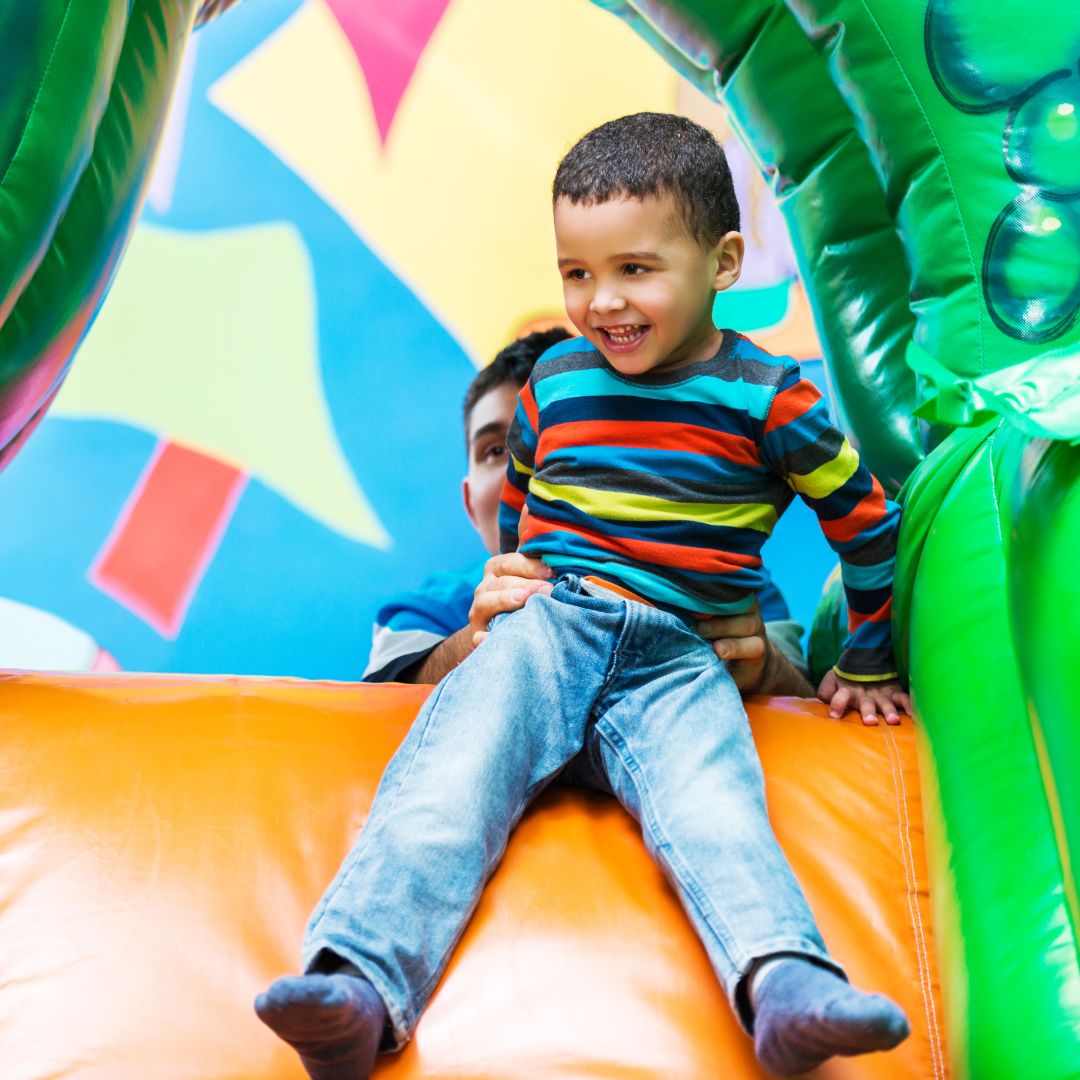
[37,93]
[907,857]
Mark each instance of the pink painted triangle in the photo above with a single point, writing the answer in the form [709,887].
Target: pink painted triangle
[388,37]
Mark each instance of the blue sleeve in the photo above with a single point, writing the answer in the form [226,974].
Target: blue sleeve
[411,624]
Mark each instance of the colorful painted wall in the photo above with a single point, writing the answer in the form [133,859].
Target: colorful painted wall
[260,437]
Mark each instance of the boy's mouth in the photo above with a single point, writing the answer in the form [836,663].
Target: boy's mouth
[622,338]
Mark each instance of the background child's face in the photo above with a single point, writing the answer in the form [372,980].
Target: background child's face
[488,424]
[637,285]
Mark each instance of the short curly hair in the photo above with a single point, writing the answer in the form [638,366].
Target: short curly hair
[651,154]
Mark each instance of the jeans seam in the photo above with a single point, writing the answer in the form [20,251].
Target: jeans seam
[616,649]
[666,851]
[365,839]
[425,991]
[740,963]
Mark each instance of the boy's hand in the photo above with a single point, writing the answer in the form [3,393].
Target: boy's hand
[509,580]
[871,699]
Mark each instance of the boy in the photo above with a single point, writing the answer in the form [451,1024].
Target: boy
[422,635]
[654,455]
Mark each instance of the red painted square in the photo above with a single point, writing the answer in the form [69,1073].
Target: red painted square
[167,534]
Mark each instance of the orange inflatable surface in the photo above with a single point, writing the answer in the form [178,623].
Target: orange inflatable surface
[163,839]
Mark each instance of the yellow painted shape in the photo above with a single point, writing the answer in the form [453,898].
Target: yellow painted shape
[625,506]
[210,340]
[458,202]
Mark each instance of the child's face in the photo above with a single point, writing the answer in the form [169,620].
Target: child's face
[637,285]
[485,436]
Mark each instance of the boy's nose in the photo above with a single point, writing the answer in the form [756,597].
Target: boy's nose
[605,300]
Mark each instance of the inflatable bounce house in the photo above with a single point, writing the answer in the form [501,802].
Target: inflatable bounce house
[164,836]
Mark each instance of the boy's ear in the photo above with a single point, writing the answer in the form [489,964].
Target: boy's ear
[728,252]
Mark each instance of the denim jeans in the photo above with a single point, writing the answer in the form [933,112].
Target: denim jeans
[610,693]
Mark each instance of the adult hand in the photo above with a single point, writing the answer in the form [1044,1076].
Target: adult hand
[740,641]
[870,699]
[509,580]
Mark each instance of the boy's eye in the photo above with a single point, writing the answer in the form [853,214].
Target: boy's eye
[493,452]
[633,269]
[577,274]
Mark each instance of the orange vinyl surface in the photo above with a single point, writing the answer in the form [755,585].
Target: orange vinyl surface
[164,838]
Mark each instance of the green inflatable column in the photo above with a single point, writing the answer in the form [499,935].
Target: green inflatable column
[1044,541]
[84,90]
[1006,940]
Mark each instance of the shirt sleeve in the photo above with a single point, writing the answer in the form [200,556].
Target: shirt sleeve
[411,624]
[521,441]
[818,463]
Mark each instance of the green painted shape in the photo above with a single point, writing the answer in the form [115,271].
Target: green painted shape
[231,372]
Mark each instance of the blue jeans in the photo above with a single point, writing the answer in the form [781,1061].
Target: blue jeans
[610,693]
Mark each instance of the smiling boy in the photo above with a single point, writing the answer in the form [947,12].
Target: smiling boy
[654,455]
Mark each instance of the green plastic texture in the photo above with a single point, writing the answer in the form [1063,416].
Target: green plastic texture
[1044,542]
[975,135]
[88,86]
[829,629]
[970,599]
[50,133]
[926,155]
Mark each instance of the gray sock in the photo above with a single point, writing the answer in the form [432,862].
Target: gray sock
[805,1013]
[334,1022]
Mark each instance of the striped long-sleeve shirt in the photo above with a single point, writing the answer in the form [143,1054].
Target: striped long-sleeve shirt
[669,483]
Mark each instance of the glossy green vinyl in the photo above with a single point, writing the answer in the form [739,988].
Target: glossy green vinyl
[1008,947]
[1044,597]
[89,83]
[926,155]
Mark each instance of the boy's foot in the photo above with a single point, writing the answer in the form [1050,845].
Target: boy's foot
[805,1013]
[334,1022]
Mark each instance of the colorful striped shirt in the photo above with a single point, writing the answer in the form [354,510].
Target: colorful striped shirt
[668,484]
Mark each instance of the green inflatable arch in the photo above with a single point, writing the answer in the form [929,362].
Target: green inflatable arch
[926,154]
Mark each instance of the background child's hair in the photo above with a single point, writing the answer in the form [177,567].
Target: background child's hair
[512,364]
[650,154]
